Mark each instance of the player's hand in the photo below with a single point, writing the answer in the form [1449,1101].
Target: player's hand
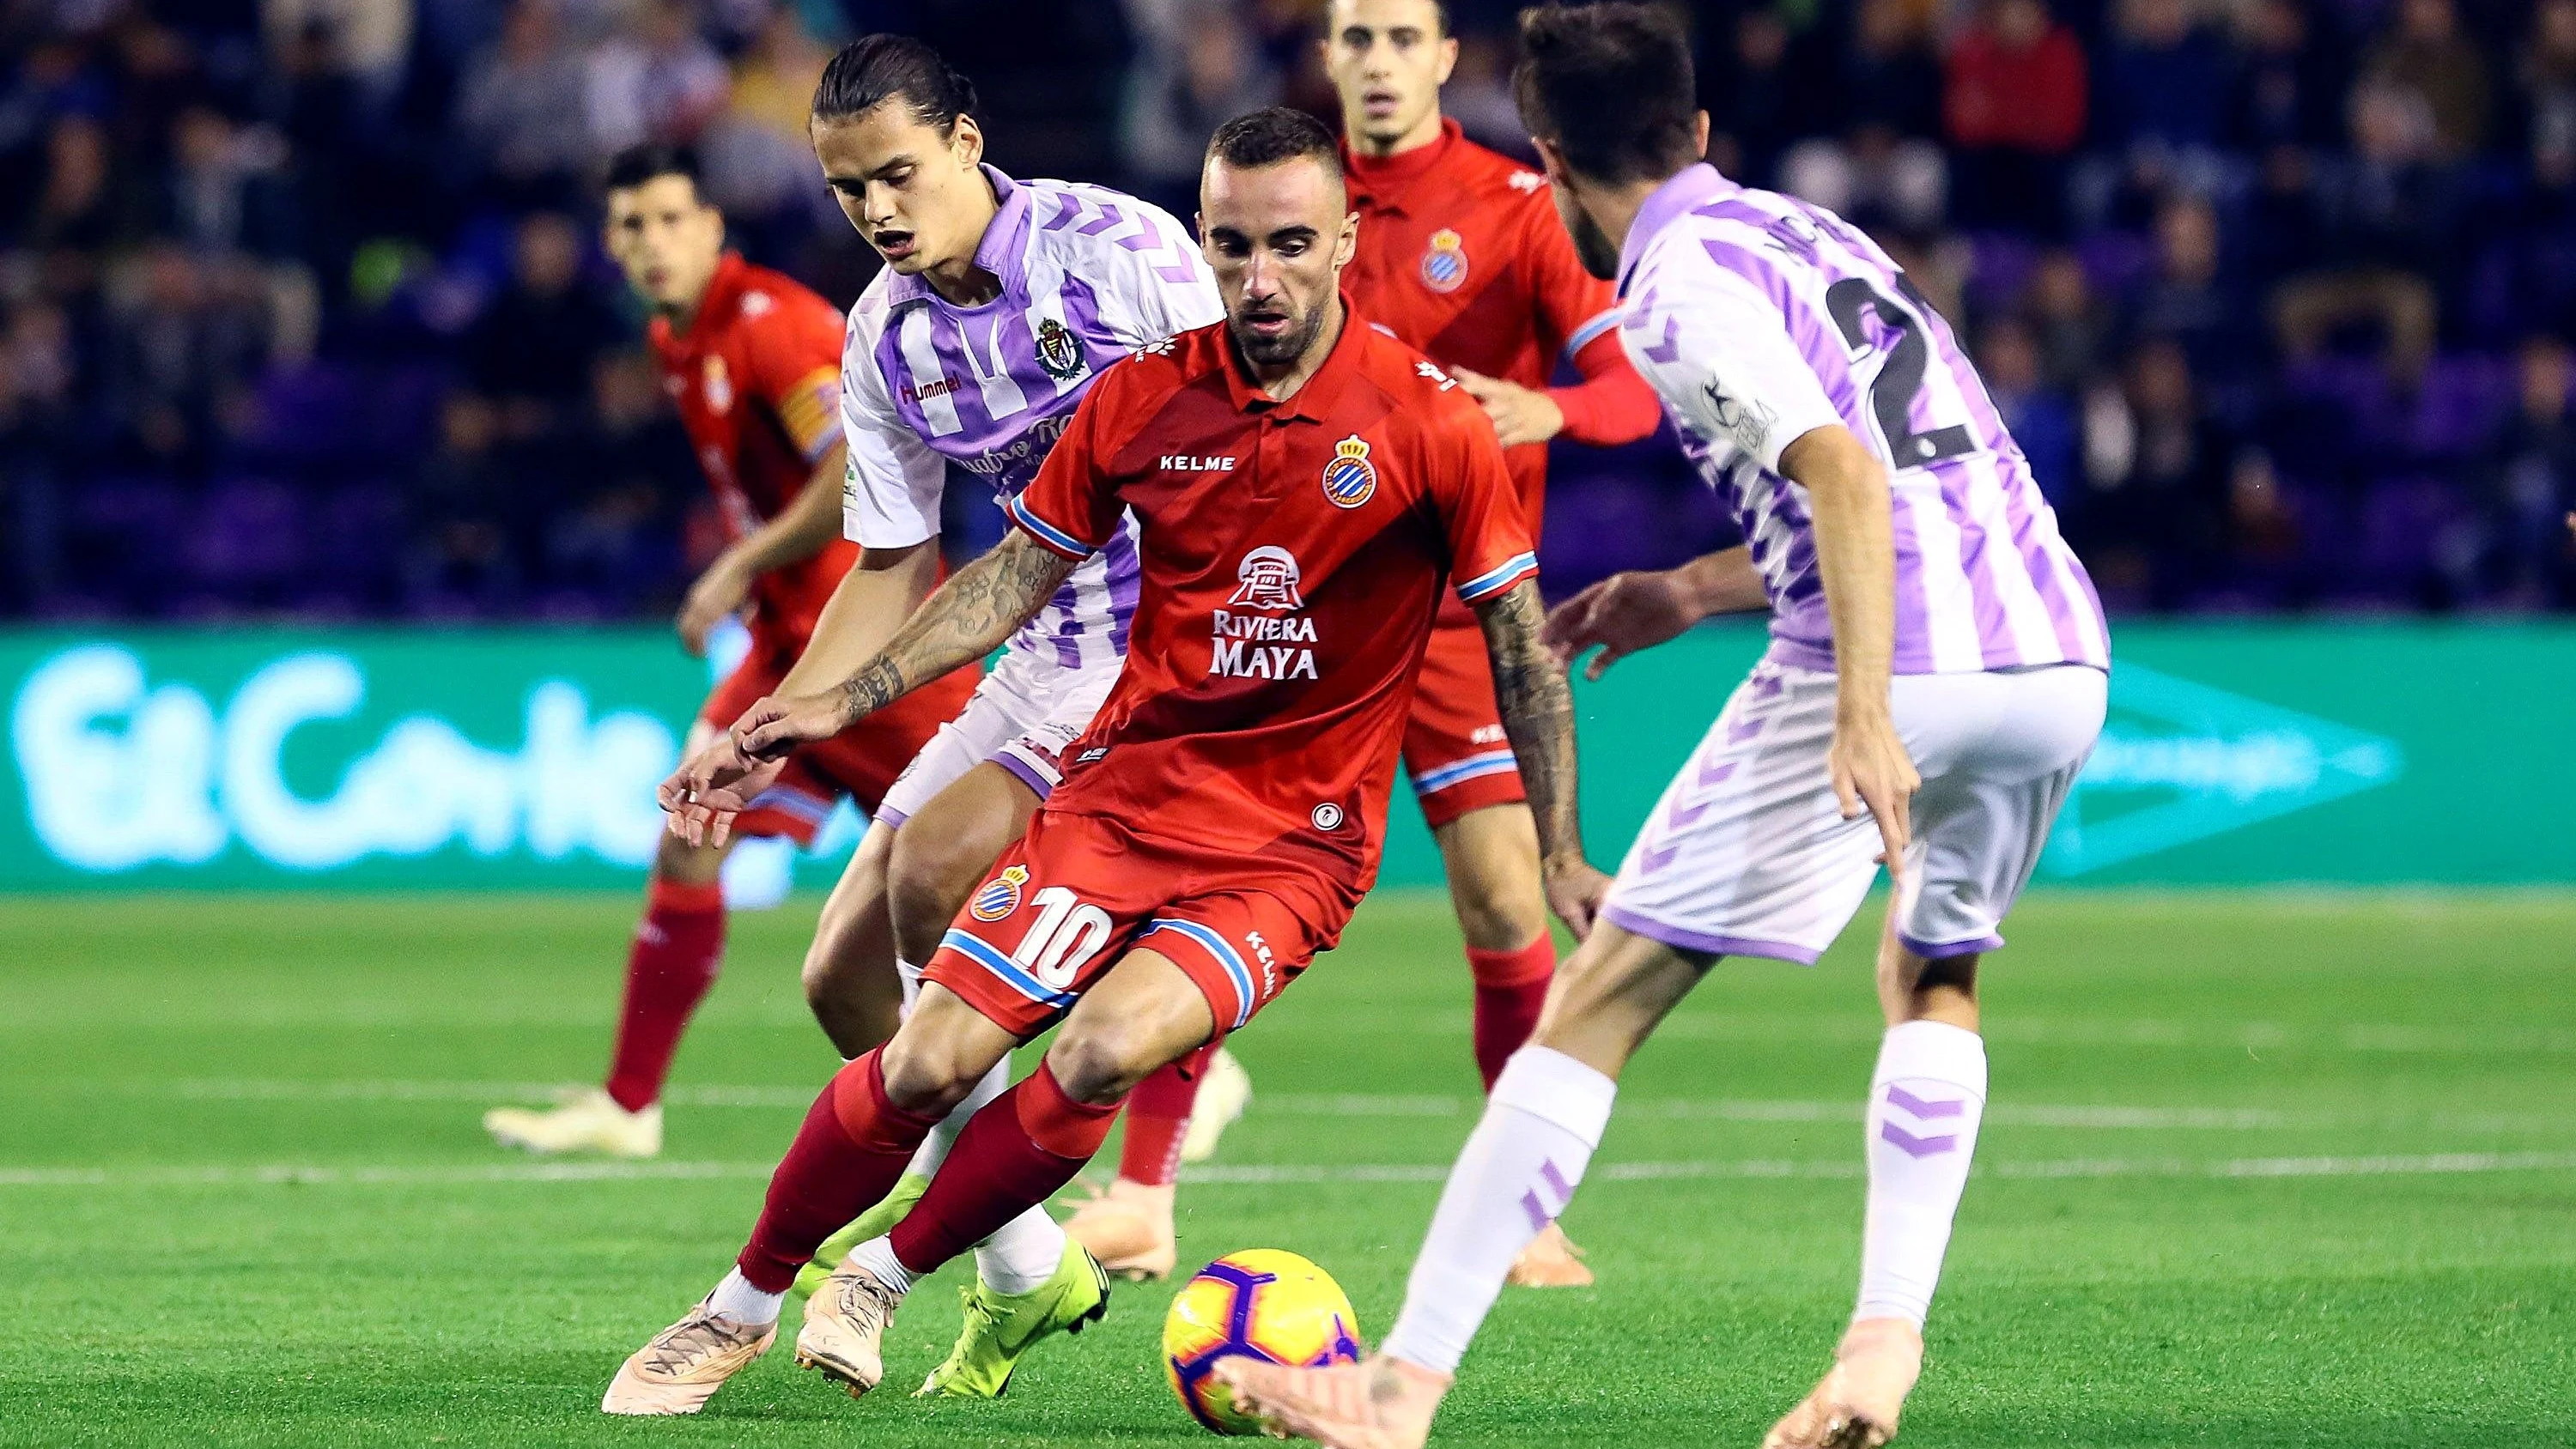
[719,592]
[1872,771]
[780,722]
[1520,414]
[711,787]
[1622,614]
[1575,891]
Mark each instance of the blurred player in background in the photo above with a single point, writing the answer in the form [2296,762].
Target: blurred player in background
[1461,256]
[752,360]
[1924,609]
[1304,489]
[999,304]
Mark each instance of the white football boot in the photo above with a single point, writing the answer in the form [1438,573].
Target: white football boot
[1225,1089]
[586,1121]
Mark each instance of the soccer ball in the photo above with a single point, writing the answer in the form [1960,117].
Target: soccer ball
[1262,1302]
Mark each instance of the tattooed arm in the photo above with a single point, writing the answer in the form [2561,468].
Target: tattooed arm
[967,618]
[1538,717]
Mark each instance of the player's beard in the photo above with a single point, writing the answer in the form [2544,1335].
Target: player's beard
[1281,350]
[1593,247]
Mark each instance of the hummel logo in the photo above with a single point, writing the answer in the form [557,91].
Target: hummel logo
[1094,754]
[1159,347]
[1527,181]
[1192,463]
[1431,373]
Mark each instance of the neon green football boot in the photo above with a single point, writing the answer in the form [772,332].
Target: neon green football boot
[876,1222]
[1000,1327]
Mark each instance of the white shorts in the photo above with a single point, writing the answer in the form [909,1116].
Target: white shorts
[1022,716]
[1748,853]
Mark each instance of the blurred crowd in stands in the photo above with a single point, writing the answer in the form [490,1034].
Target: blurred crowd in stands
[302,311]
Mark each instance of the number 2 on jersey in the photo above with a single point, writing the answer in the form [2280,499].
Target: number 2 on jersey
[1900,378]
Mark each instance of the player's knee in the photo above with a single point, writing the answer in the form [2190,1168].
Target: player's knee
[677,861]
[1498,914]
[928,1074]
[1101,1062]
[836,955]
[855,1010]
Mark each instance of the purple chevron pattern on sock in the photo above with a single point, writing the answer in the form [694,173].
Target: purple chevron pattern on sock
[1556,1182]
[1538,1214]
[1913,1146]
[1716,772]
[1919,1108]
[1657,857]
[1742,730]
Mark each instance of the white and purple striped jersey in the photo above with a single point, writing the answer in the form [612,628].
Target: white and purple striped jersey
[1757,318]
[1088,276]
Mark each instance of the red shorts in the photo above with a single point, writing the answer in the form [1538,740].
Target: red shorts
[859,762]
[1453,745]
[1078,892]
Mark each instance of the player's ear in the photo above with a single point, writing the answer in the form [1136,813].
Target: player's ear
[1699,128]
[1551,159]
[966,141]
[1448,60]
[1347,243]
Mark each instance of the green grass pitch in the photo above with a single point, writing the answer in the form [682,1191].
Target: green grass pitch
[2260,1171]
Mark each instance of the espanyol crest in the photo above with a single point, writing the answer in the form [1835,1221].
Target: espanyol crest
[1350,479]
[1267,580]
[719,386]
[1444,266]
[1059,351]
[1000,895]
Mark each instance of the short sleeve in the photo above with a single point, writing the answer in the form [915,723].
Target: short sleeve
[1578,307]
[1718,351]
[890,493]
[1489,542]
[794,361]
[1069,507]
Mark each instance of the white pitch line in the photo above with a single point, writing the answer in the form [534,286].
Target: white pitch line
[285,1174]
[1256,1175]
[1361,1104]
[495,1093]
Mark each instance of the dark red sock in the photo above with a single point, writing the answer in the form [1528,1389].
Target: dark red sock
[677,951]
[1158,1117]
[1511,987]
[845,1159]
[1019,1151]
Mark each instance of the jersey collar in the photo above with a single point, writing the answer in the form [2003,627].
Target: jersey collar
[1003,251]
[1688,188]
[1381,181]
[1313,402]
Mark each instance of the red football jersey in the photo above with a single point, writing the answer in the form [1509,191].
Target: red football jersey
[1292,557]
[1460,253]
[757,378]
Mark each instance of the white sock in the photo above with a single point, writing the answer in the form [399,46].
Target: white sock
[1022,1255]
[1517,1173]
[1925,1101]
[877,1256]
[736,1299]
[934,1148]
